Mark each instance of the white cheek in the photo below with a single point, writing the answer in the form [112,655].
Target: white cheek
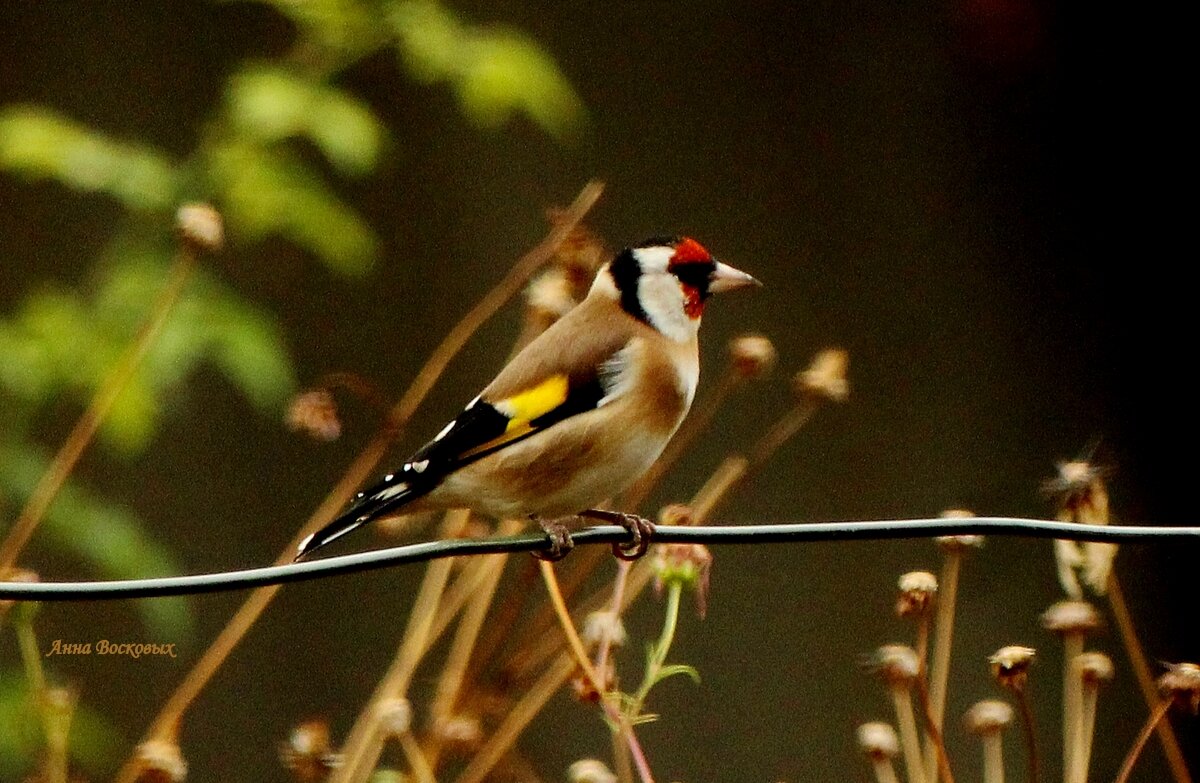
[663,301]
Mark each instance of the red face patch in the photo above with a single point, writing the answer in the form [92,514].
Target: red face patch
[693,303]
[689,251]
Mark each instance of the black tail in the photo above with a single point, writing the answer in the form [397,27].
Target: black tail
[389,495]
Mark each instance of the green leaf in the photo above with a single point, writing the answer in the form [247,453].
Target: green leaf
[505,72]
[675,669]
[41,144]
[249,350]
[94,740]
[267,191]
[107,537]
[270,103]
[495,72]
[429,39]
[342,25]
[346,130]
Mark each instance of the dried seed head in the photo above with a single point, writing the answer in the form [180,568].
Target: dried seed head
[579,255]
[826,376]
[1079,490]
[1181,684]
[315,414]
[958,543]
[752,355]
[690,565]
[394,716]
[159,761]
[878,740]
[988,716]
[1094,668]
[60,699]
[896,664]
[603,625]
[585,690]
[918,590]
[307,753]
[590,771]
[15,575]
[676,514]
[1010,666]
[1067,617]
[550,296]
[460,732]
[200,227]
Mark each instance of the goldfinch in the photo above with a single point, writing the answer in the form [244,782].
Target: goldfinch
[577,415]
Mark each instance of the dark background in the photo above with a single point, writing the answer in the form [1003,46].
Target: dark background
[977,198]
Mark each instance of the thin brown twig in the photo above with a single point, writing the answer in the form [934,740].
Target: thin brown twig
[575,645]
[933,732]
[88,424]
[364,744]
[1030,733]
[1145,679]
[942,644]
[165,724]
[618,594]
[1157,716]
[455,668]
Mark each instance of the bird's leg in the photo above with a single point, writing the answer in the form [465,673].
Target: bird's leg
[560,538]
[641,531]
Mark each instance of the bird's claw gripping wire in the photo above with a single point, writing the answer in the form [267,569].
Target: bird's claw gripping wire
[641,532]
[560,542]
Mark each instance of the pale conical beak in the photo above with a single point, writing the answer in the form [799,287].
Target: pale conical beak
[726,278]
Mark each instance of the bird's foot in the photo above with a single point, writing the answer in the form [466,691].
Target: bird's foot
[560,540]
[641,531]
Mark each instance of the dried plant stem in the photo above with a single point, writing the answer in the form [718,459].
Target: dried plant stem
[458,659]
[1087,730]
[932,732]
[922,646]
[1157,717]
[1029,732]
[993,758]
[165,724]
[1072,703]
[575,644]
[1145,679]
[939,677]
[364,742]
[568,627]
[621,760]
[884,771]
[907,722]
[31,658]
[728,475]
[525,710]
[618,594]
[417,762]
[55,717]
[81,435]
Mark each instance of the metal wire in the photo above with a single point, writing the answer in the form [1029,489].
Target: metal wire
[603,534]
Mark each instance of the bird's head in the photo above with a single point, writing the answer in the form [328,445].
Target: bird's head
[665,282]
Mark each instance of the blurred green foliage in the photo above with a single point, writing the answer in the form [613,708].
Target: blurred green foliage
[494,71]
[95,745]
[256,162]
